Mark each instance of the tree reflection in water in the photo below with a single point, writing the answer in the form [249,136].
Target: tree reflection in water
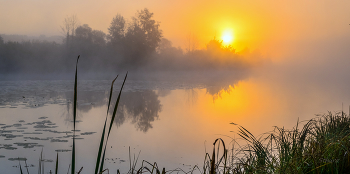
[141,107]
[216,89]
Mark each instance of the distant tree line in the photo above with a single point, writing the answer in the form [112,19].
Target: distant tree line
[135,46]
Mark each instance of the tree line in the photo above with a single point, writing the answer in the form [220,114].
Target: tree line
[135,46]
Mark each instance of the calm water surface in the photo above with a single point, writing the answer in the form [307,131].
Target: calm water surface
[170,123]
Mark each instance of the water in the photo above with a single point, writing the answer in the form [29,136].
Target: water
[154,120]
[171,123]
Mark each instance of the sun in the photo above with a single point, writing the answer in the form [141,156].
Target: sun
[227,37]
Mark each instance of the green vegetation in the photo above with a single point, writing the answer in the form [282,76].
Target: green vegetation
[321,146]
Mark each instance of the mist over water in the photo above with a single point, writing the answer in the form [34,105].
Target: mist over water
[175,99]
[136,46]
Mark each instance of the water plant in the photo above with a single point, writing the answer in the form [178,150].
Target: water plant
[99,161]
[74,115]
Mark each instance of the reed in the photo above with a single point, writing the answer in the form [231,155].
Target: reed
[20,167]
[99,160]
[111,123]
[25,162]
[56,168]
[74,115]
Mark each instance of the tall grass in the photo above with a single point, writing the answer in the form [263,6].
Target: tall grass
[99,161]
[321,145]
[74,115]
[111,123]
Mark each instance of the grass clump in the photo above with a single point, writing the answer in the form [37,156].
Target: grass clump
[321,145]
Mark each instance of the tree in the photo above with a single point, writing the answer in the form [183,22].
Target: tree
[164,45]
[150,28]
[70,24]
[83,33]
[192,42]
[214,45]
[217,46]
[98,37]
[1,40]
[117,30]
[142,38]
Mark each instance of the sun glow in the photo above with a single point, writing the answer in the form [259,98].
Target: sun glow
[227,37]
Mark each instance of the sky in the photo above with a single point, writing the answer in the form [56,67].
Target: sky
[268,25]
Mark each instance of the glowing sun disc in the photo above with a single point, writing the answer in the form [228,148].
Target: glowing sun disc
[227,37]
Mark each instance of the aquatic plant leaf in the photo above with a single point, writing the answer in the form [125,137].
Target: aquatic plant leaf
[56,169]
[112,120]
[98,161]
[74,115]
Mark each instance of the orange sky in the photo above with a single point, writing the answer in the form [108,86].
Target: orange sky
[256,24]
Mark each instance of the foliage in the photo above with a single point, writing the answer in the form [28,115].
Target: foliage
[117,30]
[88,41]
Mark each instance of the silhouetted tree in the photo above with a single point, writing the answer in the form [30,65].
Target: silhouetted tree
[164,45]
[98,37]
[214,45]
[83,41]
[136,47]
[69,26]
[142,38]
[91,44]
[192,42]
[149,27]
[117,30]
[83,33]
[217,46]
[1,40]
[166,50]
[167,56]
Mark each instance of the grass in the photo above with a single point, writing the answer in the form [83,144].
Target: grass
[320,145]
[74,115]
[100,161]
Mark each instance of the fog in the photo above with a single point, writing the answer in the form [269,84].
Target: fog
[288,61]
[290,48]
[138,47]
